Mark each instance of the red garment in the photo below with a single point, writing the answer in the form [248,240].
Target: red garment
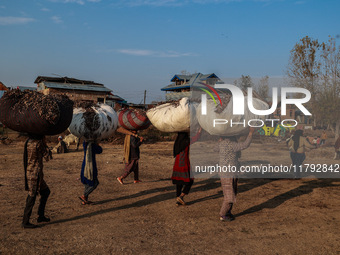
[181,170]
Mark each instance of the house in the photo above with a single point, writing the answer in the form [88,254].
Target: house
[115,101]
[292,112]
[181,84]
[3,89]
[75,89]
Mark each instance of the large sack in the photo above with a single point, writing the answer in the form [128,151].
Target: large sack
[207,121]
[32,112]
[133,119]
[94,122]
[172,117]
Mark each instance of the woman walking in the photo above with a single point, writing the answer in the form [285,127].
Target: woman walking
[229,154]
[89,172]
[181,170]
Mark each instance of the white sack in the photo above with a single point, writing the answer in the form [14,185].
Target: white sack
[171,117]
[207,121]
[101,123]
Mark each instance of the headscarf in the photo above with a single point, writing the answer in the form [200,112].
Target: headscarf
[296,138]
[182,141]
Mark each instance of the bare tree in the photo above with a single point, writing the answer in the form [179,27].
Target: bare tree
[185,72]
[329,99]
[244,82]
[316,67]
[262,88]
[304,68]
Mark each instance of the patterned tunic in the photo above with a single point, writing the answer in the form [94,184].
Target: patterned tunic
[229,154]
[36,151]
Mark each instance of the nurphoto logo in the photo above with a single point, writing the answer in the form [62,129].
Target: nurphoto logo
[238,104]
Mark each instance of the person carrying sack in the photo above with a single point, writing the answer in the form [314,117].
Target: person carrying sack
[35,150]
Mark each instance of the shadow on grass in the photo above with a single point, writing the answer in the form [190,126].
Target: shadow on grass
[304,189]
[204,185]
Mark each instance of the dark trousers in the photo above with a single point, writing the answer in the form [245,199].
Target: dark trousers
[297,160]
[183,188]
[130,167]
[30,201]
[89,189]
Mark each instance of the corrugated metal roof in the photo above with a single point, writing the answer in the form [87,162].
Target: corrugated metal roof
[115,98]
[64,80]
[26,87]
[194,81]
[71,86]
[181,77]
[174,86]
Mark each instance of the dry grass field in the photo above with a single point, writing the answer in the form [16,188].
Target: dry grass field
[273,216]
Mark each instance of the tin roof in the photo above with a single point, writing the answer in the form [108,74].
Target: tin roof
[112,97]
[73,86]
[26,87]
[64,80]
[195,79]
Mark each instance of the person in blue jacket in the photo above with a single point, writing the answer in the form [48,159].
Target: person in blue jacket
[89,171]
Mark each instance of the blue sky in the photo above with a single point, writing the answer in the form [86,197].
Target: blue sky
[136,45]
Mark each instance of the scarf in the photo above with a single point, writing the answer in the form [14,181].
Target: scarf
[127,148]
[88,170]
[182,141]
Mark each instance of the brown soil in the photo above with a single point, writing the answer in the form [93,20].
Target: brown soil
[273,216]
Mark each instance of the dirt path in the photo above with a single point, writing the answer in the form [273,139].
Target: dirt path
[272,216]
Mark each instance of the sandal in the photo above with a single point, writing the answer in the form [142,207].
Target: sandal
[84,200]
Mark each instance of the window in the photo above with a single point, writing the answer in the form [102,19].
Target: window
[100,100]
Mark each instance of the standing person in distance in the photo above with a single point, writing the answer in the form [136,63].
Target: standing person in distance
[297,147]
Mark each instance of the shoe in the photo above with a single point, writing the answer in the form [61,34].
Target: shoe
[28,225]
[228,217]
[178,203]
[120,180]
[180,199]
[137,181]
[83,200]
[43,219]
